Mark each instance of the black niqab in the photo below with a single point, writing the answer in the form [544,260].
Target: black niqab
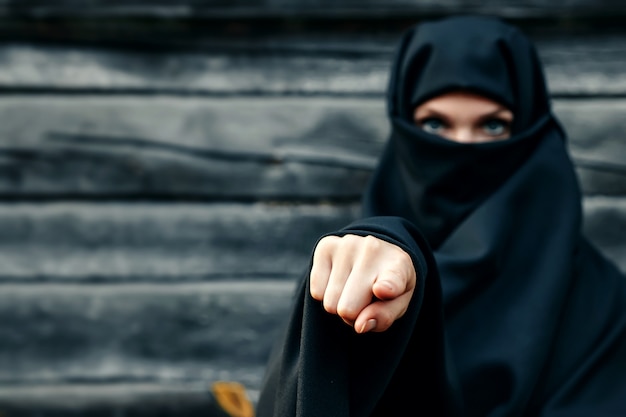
[515,313]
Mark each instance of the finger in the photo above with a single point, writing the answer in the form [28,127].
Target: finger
[339,273]
[357,292]
[321,267]
[390,285]
[395,280]
[380,315]
[356,295]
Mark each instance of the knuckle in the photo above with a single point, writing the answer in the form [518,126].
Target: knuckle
[330,307]
[347,310]
[371,245]
[315,276]
[347,313]
[402,267]
[326,244]
[349,242]
[385,319]
[402,258]
[316,292]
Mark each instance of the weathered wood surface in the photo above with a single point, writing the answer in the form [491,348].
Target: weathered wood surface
[575,65]
[108,400]
[226,147]
[605,225]
[113,242]
[176,243]
[169,332]
[140,333]
[325,8]
[596,137]
[237,147]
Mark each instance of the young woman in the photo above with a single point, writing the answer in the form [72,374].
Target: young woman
[467,289]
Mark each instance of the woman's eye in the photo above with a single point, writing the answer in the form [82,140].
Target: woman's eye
[432,125]
[496,127]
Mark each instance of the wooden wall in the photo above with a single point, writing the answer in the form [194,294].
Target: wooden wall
[166,167]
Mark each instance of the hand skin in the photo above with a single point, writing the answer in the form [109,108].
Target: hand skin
[366,281]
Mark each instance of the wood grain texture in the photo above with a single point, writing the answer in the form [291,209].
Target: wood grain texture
[170,243]
[605,225]
[118,242]
[595,131]
[151,333]
[109,400]
[211,148]
[239,8]
[354,65]
[244,148]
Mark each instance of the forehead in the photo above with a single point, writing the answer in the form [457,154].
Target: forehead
[461,103]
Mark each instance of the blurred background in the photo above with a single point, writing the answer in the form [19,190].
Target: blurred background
[166,167]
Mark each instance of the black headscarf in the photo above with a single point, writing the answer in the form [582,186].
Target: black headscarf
[515,313]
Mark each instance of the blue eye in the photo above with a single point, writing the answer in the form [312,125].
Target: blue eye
[432,125]
[496,127]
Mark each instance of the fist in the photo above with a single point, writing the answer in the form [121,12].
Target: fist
[366,281]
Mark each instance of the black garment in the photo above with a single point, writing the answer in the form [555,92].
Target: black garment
[515,313]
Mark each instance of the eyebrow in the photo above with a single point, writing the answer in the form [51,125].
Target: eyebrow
[497,112]
[431,113]
[434,113]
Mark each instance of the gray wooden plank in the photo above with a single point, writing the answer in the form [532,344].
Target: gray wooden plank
[155,334]
[237,147]
[118,242]
[256,8]
[595,137]
[108,400]
[583,65]
[214,148]
[575,65]
[227,71]
[605,225]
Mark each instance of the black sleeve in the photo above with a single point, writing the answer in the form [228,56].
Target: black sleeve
[322,367]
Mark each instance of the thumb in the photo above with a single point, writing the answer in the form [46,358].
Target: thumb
[389,286]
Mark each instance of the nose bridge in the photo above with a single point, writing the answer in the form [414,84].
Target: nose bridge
[463,133]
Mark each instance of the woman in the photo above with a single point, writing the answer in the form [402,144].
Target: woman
[467,289]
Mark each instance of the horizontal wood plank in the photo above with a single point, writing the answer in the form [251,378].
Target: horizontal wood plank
[237,147]
[116,242]
[189,333]
[594,130]
[194,147]
[87,242]
[239,8]
[605,225]
[575,65]
[109,400]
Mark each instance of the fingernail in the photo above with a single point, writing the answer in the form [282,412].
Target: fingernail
[387,285]
[368,326]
